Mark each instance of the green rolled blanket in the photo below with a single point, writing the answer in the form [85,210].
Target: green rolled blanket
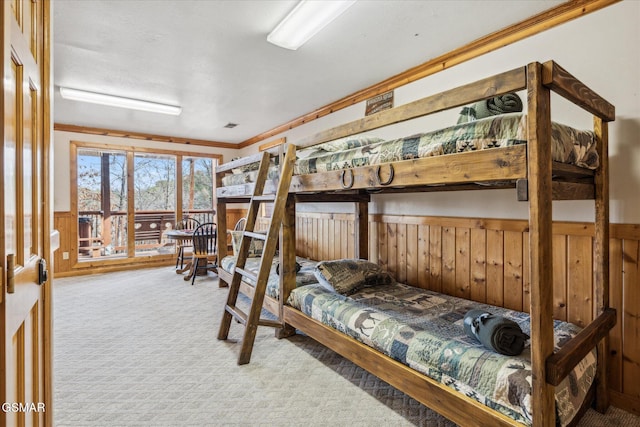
[502,104]
[298,267]
[496,333]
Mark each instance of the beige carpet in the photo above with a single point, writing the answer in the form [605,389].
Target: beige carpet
[140,349]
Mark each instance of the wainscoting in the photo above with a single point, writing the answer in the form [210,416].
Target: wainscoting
[66,223]
[480,259]
[486,259]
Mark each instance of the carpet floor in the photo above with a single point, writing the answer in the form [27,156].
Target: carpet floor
[140,349]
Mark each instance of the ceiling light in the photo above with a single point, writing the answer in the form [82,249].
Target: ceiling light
[305,20]
[117,101]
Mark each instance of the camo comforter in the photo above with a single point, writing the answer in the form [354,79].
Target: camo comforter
[569,146]
[304,277]
[424,330]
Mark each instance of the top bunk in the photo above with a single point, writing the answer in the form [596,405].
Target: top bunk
[491,152]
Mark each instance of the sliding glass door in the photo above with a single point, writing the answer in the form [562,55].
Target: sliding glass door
[127,200]
[102,203]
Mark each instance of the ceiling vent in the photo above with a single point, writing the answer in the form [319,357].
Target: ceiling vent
[230,125]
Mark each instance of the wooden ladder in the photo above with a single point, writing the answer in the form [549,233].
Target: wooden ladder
[252,320]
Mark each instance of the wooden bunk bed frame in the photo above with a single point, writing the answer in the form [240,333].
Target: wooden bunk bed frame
[528,168]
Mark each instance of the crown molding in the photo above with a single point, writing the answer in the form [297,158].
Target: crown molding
[142,136]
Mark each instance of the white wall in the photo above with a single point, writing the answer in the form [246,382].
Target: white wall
[61,158]
[601,49]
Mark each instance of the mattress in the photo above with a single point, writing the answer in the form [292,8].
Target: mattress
[424,330]
[304,277]
[569,145]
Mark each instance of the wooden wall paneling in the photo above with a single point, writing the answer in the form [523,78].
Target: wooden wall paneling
[311,226]
[313,237]
[412,254]
[422,251]
[373,241]
[478,266]
[338,238]
[341,236]
[560,276]
[382,246]
[307,229]
[462,262]
[435,258]
[630,319]
[63,222]
[320,244]
[314,232]
[495,267]
[346,238]
[615,296]
[513,270]
[342,231]
[332,239]
[449,260]
[401,252]
[580,280]
[324,237]
[392,249]
[304,237]
[348,243]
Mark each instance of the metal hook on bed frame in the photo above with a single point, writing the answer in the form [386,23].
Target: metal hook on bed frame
[391,174]
[342,182]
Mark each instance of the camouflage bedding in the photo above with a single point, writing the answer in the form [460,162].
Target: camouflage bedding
[568,146]
[304,277]
[249,176]
[424,330]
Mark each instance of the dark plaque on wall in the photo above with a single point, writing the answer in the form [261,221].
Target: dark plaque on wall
[384,101]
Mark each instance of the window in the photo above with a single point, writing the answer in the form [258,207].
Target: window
[127,198]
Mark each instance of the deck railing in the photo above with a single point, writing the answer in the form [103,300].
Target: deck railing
[102,235]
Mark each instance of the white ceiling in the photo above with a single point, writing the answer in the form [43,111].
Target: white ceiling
[212,58]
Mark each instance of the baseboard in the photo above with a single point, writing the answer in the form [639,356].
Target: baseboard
[625,402]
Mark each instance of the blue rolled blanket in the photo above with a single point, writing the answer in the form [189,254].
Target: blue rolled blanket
[496,333]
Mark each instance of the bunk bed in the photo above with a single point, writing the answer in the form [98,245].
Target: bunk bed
[539,176]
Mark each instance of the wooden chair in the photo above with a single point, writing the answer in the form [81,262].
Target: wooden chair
[204,249]
[185,224]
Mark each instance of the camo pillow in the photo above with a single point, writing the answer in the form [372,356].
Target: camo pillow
[347,276]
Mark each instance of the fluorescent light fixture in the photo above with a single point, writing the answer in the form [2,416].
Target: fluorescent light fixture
[305,20]
[117,101]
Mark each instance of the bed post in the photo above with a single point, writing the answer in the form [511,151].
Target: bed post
[601,257]
[540,244]
[221,221]
[361,234]
[287,259]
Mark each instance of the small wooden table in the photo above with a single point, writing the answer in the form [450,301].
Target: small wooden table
[181,236]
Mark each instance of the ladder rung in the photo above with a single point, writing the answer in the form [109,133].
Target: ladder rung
[238,314]
[247,274]
[259,236]
[264,198]
[270,323]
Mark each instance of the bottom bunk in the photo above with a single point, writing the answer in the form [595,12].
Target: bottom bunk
[304,276]
[415,340]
